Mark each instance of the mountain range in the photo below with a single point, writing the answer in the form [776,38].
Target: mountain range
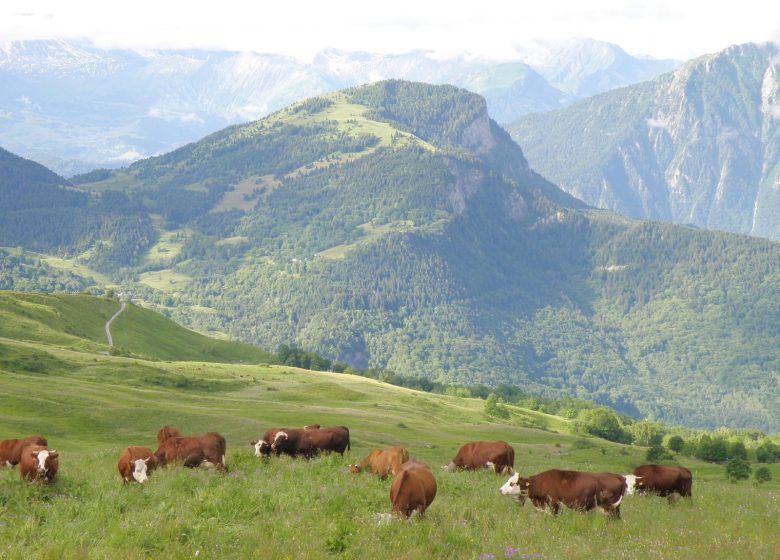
[699,145]
[396,225]
[74,106]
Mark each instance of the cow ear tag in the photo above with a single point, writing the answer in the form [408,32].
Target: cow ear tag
[527,483]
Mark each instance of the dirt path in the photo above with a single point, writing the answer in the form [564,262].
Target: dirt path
[108,323]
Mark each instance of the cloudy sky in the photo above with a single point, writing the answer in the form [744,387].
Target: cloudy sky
[495,28]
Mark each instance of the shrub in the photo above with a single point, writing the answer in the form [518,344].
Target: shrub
[657,454]
[762,474]
[675,443]
[494,408]
[768,452]
[737,469]
[605,423]
[713,450]
[737,449]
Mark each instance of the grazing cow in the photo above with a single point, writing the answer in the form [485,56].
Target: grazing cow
[38,463]
[577,490]
[413,488]
[498,455]
[207,449]
[311,442]
[11,449]
[165,433]
[664,480]
[136,463]
[312,427]
[263,446]
[382,462]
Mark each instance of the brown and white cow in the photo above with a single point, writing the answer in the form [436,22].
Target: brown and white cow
[498,455]
[413,488]
[663,480]
[382,462]
[38,463]
[194,451]
[574,489]
[311,442]
[263,445]
[136,464]
[11,449]
[165,433]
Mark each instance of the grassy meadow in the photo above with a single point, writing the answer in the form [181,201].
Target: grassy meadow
[91,406]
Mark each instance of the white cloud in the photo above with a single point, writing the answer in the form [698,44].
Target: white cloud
[128,156]
[772,109]
[490,28]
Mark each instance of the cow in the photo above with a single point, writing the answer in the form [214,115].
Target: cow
[193,451]
[38,463]
[498,455]
[165,433]
[663,480]
[11,449]
[574,489]
[311,442]
[413,489]
[263,445]
[136,464]
[382,462]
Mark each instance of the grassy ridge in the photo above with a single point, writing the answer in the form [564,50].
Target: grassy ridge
[93,406]
[78,321]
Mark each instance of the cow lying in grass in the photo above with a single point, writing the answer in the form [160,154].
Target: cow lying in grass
[38,463]
[193,451]
[136,464]
[382,462]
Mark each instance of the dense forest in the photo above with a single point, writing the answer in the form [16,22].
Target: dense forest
[396,227]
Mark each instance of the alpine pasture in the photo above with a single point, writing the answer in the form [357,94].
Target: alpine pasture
[91,406]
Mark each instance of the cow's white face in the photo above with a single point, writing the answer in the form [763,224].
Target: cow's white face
[512,486]
[41,457]
[260,448]
[140,471]
[278,438]
[631,483]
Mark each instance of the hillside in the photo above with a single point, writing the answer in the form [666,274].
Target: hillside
[397,226]
[77,321]
[700,145]
[91,406]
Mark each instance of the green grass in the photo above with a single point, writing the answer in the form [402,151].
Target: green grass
[166,280]
[370,232]
[77,321]
[91,407]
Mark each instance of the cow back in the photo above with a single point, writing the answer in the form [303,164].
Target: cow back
[413,488]
[11,449]
[664,479]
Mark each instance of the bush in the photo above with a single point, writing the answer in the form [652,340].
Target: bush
[494,408]
[737,449]
[713,450]
[605,423]
[675,443]
[657,454]
[768,452]
[762,474]
[737,469]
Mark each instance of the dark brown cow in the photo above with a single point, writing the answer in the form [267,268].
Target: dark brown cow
[194,451]
[382,462]
[413,488]
[263,445]
[577,490]
[312,427]
[311,442]
[664,480]
[11,449]
[38,463]
[498,455]
[136,464]
[165,433]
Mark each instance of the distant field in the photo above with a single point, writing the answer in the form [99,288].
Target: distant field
[166,280]
[92,406]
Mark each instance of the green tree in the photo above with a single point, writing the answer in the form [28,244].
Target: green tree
[605,423]
[494,408]
[737,449]
[646,433]
[713,450]
[737,469]
[762,474]
[657,454]
[675,443]
[768,452]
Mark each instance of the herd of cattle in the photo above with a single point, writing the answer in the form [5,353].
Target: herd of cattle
[413,487]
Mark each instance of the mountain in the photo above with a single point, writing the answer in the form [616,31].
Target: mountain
[75,107]
[700,145]
[586,67]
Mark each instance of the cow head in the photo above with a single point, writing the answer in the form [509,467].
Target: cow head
[141,471]
[43,460]
[354,468]
[279,440]
[633,483]
[262,448]
[450,467]
[516,486]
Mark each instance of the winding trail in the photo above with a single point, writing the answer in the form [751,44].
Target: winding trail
[108,323]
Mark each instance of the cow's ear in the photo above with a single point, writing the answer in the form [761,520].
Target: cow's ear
[147,460]
[254,443]
[54,454]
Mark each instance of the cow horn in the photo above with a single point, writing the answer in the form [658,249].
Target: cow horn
[53,454]
[254,443]
[147,460]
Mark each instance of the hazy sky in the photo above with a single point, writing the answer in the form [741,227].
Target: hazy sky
[661,28]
